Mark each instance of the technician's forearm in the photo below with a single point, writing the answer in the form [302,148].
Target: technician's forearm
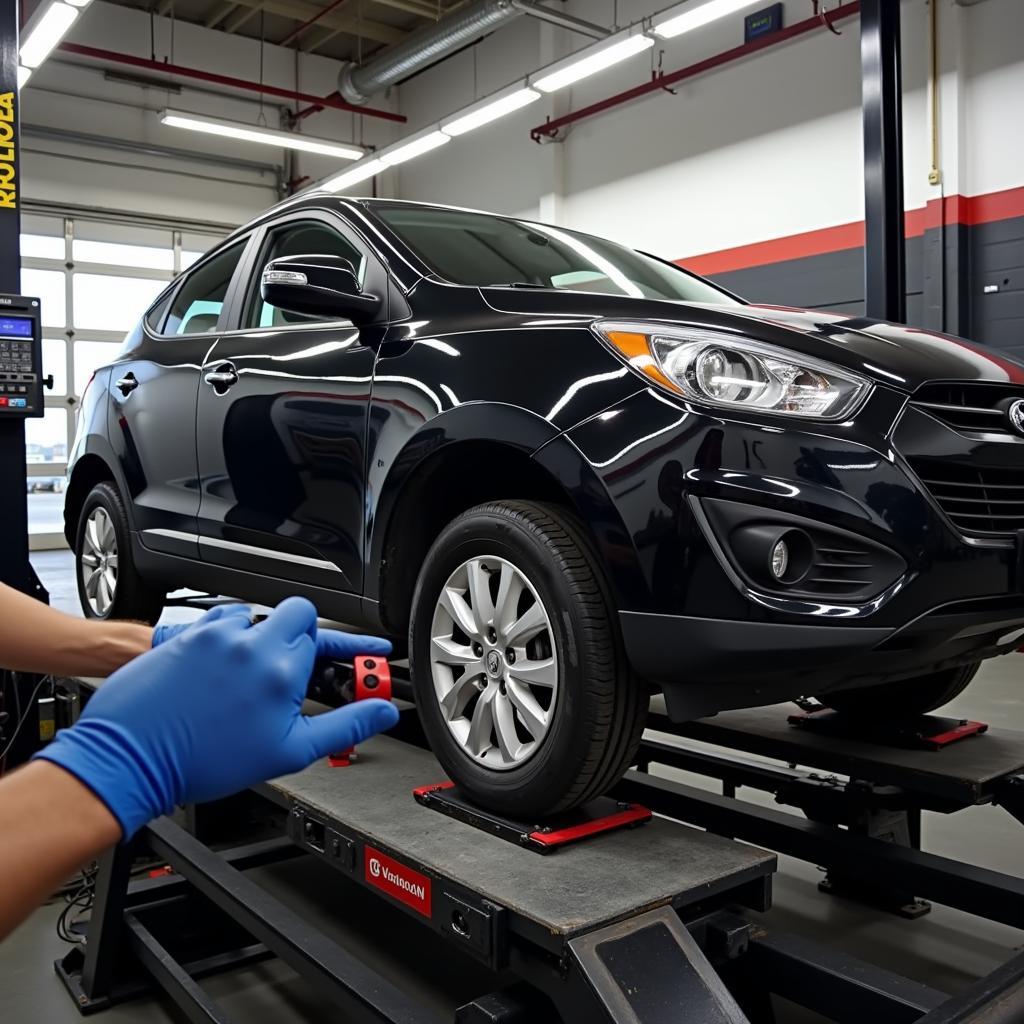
[51,825]
[37,638]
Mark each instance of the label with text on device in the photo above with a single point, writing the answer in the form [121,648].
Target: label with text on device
[397,879]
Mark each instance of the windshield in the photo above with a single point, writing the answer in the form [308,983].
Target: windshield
[483,250]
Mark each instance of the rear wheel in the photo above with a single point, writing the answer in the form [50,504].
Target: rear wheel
[521,681]
[109,585]
[904,699]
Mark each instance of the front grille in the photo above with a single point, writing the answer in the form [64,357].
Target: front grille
[970,408]
[976,498]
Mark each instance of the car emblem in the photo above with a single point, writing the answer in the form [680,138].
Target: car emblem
[1015,414]
[493,663]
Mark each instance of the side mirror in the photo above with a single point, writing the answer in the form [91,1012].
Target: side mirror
[317,286]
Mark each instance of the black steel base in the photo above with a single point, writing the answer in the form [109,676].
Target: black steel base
[579,959]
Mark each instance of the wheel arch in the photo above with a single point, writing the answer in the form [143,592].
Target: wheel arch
[523,457]
[89,469]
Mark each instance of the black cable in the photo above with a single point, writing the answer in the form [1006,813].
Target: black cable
[24,717]
[77,902]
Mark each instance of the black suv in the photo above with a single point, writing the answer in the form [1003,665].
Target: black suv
[567,472]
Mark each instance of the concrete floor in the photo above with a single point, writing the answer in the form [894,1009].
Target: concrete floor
[946,949]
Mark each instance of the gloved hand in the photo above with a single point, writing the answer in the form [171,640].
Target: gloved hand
[210,712]
[330,643]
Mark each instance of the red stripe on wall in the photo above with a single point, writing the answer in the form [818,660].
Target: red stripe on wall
[957,209]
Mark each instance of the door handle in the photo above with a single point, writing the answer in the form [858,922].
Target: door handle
[127,384]
[222,378]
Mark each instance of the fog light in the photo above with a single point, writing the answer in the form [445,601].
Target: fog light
[780,560]
[772,555]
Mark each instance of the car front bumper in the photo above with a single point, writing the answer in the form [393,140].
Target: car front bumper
[693,622]
[709,665]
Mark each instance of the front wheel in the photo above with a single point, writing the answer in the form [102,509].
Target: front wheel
[109,585]
[521,681]
[906,698]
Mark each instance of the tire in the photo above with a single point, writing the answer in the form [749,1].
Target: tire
[103,531]
[907,698]
[594,712]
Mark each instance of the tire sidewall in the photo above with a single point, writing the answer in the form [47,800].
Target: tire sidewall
[102,496]
[557,761]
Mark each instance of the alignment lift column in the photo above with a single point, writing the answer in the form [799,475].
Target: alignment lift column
[15,568]
[885,273]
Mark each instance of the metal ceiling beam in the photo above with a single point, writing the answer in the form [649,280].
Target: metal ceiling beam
[239,18]
[302,10]
[214,19]
[314,45]
[417,7]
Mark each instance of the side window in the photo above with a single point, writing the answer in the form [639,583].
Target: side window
[303,238]
[156,314]
[197,305]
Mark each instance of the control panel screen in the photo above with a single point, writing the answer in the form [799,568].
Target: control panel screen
[15,327]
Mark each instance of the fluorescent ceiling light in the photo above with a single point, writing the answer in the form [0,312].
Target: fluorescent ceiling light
[352,177]
[424,144]
[593,59]
[43,35]
[488,111]
[78,3]
[24,74]
[694,17]
[254,133]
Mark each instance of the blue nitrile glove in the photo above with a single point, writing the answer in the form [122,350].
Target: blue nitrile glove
[161,634]
[330,643]
[214,710]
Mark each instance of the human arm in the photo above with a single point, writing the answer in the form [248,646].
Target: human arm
[51,825]
[37,638]
[214,710]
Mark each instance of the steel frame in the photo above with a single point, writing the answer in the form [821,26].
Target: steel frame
[707,956]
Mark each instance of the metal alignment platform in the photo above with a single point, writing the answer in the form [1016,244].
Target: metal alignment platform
[656,924]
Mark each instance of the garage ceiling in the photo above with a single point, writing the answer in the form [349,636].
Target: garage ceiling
[344,29]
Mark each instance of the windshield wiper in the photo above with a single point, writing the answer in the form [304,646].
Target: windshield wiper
[517,284]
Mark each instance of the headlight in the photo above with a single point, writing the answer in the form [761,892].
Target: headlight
[720,369]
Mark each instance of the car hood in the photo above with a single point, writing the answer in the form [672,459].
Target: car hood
[902,357]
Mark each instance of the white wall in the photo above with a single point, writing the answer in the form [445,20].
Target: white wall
[76,97]
[761,148]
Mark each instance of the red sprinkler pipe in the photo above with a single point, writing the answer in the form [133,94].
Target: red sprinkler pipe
[334,101]
[662,81]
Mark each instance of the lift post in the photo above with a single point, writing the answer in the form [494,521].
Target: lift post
[885,275]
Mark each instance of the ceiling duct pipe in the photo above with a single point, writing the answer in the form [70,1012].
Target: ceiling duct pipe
[464,26]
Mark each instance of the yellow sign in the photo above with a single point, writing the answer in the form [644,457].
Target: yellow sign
[8,152]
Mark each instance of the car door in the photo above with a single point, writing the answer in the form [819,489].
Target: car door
[282,424]
[154,388]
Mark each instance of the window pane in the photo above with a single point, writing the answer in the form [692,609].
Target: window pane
[89,356]
[55,362]
[46,443]
[301,239]
[199,301]
[188,258]
[148,256]
[107,303]
[44,247]
[48,286]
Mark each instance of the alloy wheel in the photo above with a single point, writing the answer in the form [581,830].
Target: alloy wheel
[99,561]
[493,663]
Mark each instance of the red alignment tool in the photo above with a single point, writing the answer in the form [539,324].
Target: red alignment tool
[371,677]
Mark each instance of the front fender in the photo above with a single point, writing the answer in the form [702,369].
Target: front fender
[387,475]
